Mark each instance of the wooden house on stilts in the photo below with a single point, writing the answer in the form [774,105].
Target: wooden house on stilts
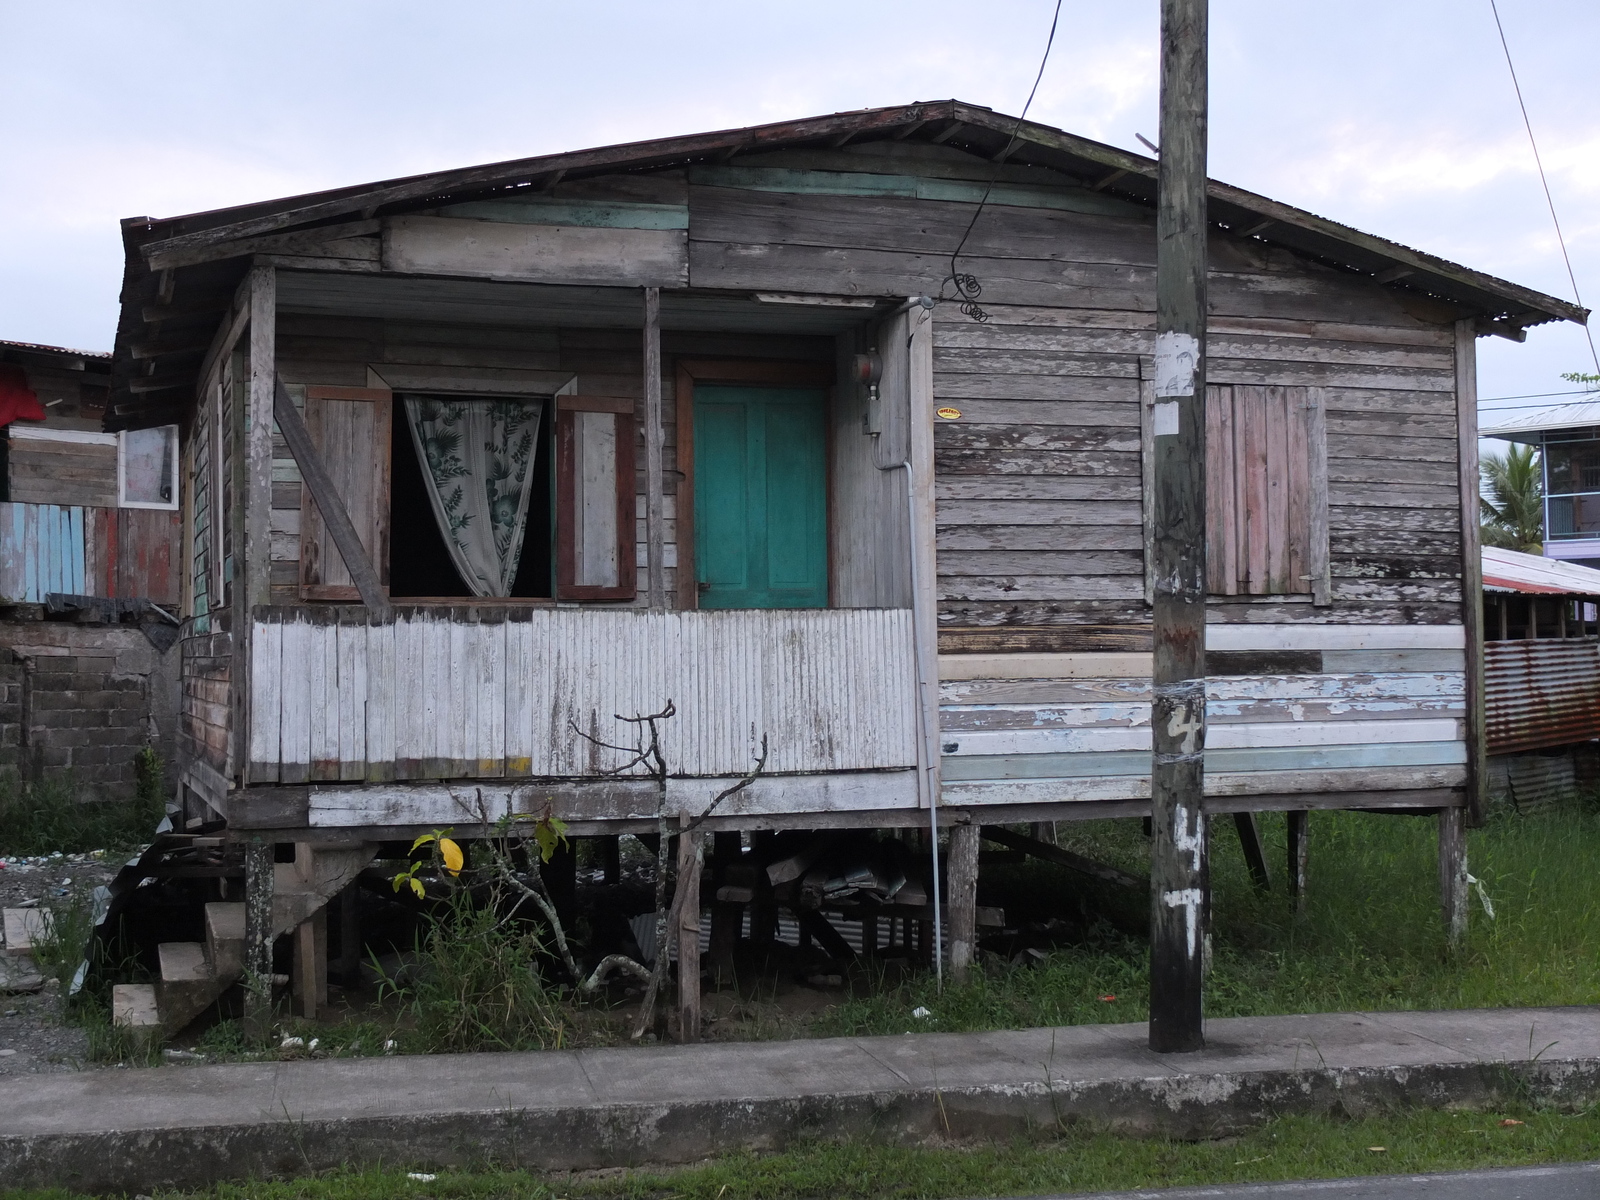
[476,459]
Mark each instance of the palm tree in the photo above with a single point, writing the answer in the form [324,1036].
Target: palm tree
[1513,510]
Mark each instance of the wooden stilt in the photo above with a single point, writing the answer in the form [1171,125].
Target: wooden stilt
[311,965]
[1453,873]
[961,890]
[689,862]
[1255,856]
[1299,823]
[869,935]
[258,881]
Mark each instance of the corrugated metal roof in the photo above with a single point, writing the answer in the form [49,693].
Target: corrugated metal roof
[1513,571]
[1576,414]
[1540,692]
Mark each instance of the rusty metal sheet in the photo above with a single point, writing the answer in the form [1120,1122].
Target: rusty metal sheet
[1541,692]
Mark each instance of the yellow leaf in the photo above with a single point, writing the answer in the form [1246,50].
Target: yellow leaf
[422,840]
[451,853]
[416,886]
[399,881]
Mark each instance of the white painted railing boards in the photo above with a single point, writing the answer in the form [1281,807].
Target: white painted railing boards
[480,693]
[1386,713]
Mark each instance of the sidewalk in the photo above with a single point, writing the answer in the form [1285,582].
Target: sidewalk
[186,1126]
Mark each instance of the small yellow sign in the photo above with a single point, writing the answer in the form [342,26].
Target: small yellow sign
[949,414]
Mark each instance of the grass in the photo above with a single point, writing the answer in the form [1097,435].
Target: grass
[1370,936]
[1404,1142]
[44,816]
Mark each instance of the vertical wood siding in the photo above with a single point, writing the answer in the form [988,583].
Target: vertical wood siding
[125,552]
[477,693]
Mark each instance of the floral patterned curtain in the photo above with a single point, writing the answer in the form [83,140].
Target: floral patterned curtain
[477,458]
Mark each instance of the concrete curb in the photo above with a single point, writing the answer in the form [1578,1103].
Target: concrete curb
[187,1127]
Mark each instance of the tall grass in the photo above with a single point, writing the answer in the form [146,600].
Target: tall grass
[47,815]
[1370,936]
[475,984]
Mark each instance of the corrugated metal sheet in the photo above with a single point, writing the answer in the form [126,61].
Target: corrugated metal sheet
[470,693]
[1513,571]
[1541,692]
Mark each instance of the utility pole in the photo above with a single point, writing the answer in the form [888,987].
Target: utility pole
[1180,890]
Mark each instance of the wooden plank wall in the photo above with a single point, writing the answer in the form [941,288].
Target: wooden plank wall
[1293,708]
[205,703]
[74,473]
[606,362]
[486,693]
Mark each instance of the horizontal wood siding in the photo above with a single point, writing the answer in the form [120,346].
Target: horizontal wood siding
[1058,727]
[480,693]
[65,473]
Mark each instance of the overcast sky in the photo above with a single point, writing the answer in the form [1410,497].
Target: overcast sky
[1395,116]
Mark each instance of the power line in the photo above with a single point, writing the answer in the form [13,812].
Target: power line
[968,289]
[1545,183]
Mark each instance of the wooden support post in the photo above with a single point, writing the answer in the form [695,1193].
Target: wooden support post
[311,964]
[961,894]
[689,863]
[309,974]
[869,935]
[257,499]
[1453,873]
[1179,877]
[1255,856]
[611,859]
[258,881]
[654,503]
[1472,565]
[1299,825]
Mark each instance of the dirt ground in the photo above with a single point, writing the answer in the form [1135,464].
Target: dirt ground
[33,1037]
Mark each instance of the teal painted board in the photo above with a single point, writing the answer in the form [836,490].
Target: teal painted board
[760,506]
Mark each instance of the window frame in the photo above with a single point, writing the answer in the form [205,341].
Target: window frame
[174,441]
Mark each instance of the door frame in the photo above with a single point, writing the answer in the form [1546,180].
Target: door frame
[732,372]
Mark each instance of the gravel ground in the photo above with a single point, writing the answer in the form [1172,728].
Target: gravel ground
[33,1037]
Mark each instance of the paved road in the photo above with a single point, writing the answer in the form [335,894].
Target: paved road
[1577,1182]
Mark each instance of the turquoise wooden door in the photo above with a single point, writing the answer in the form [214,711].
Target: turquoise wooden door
[760,497]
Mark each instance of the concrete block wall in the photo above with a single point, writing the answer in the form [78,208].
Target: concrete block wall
[82,700]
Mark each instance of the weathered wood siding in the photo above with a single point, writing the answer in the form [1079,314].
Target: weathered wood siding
[78,551]
[205,706]
[469,693]
[1358,709]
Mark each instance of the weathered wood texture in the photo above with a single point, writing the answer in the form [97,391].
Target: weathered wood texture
[205,705]
[465,693]
[1374,712]
[73,473]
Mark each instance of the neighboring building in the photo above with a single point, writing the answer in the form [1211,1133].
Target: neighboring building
[1568,438]
[89,525]
[1541,676]
[572,436]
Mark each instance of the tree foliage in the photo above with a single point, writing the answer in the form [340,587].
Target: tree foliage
[1513,509]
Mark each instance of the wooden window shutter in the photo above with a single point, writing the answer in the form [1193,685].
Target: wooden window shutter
[1266,492]
[595,502]
[350,429]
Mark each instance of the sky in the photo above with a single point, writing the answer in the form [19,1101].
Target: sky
[1395,116]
